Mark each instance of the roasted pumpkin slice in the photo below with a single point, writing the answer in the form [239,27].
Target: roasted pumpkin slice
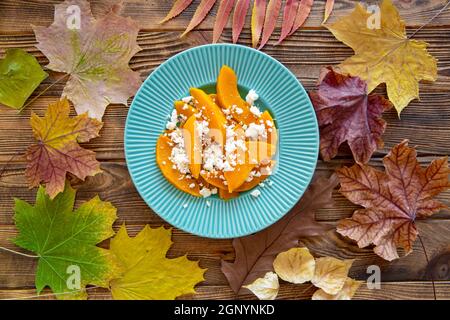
[214,180]
[212,112]
[256,180]
[272,136]
[229,98]
[179,180]
[225,195]
[257,152]
[193,145]
[184,108]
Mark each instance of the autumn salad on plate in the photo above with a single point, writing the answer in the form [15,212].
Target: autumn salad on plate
[218,143]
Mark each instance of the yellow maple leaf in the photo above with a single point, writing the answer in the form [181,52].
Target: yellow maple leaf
[385,54]
[149,275]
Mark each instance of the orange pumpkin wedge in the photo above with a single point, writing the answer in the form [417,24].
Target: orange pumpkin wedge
[179,180]
[212,112]
[257,152]
[272,135]
[214,180]
[184,108]
[225,195]
[193,145]
[248,185]
[229,98]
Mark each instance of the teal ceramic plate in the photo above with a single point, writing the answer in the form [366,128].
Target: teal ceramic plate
[279,91]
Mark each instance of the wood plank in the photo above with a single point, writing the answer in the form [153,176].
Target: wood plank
[431,132]
[114,185]
[389,291]
[17,15]
[18,272]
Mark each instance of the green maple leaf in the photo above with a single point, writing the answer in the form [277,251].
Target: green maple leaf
[65,241]
[20,75]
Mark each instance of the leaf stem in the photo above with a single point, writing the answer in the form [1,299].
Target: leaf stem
[431,19]
[428,262]
[43,91]
[19,253]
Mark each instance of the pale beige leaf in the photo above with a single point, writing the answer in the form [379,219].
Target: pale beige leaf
[295,265]
[347,292]
[331,273]
[265,288]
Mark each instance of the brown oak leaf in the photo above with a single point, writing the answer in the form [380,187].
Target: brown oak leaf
[346,112]
[94,52]
[255,253]
[393,200]
[57,151]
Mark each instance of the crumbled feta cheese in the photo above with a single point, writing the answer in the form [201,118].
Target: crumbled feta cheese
[226,111]
[270,182]
[257,174]
[255,110]
[255,131]
[251,97]
[205,192]
[269,123]
[238,110]
[192,185]
[208,203]
[187,99]
[262,185]
[185,205]
[172,123]
[185,106]
[214,191]
[255,193]
[178,155]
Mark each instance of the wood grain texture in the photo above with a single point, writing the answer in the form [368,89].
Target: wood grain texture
[426,123]
[149,13]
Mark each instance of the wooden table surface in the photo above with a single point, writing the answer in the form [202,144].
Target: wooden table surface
[426,123]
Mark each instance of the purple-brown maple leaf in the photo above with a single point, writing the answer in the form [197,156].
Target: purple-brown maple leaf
[346,112]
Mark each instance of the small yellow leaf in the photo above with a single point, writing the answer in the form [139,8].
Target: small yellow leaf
[347,292]
[331,274]
[265,288]
[149,275]
[384,54]
[295,265]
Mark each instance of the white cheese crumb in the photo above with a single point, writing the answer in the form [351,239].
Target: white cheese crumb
[270,182]
[238,110]
[187,99]
[192,185]
[255,131]
[185,205]
[262,185]
[251,97]
[255,193]
[269,123]
[172,123]
[214,191]
[205,192]
[185,106]
[255,111]
[208,203]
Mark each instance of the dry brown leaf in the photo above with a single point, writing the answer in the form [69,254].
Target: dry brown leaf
[393,200]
